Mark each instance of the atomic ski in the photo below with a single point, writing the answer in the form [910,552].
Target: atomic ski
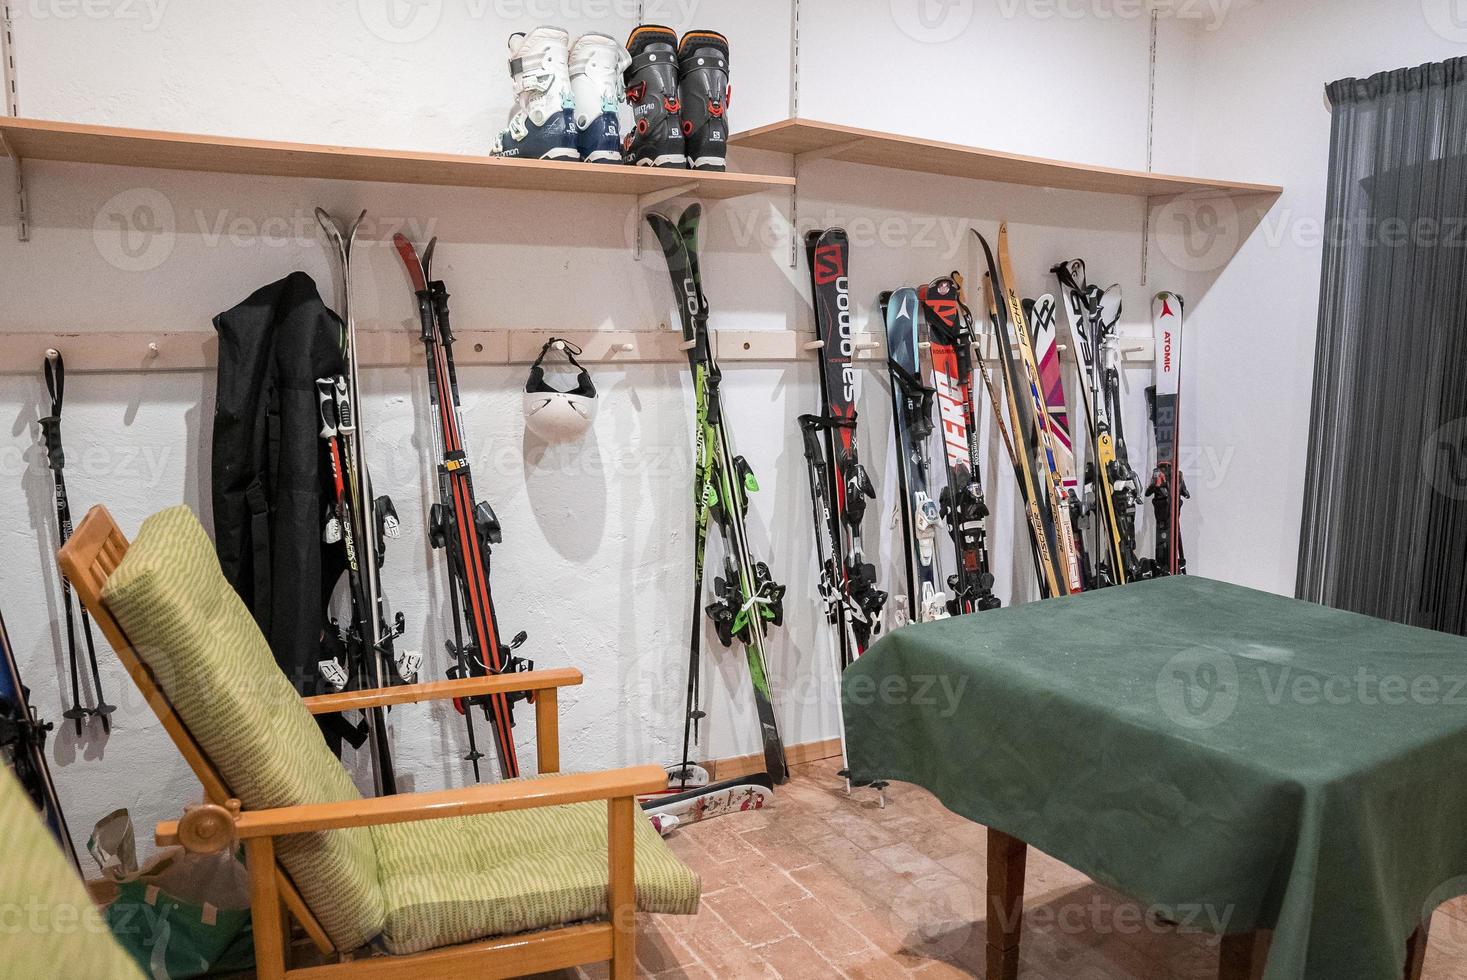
[23,746]
[748,601]
[55,370]
[463,527]
[839,486]
[364,523]
[1168,484]
[961,504]
[912,397]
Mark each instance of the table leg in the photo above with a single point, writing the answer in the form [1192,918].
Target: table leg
[1243,956]
[1416,950]
[1006,858]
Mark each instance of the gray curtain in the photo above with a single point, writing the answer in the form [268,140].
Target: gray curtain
[1385,501]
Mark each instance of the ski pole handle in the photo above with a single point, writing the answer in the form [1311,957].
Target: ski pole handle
[326,404]
[439,294]
[51,436]
[346,423]
[55,369]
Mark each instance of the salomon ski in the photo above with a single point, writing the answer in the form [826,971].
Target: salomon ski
[961,504]
[462,525]
[55,371]
[912,397]
[23,745]
[1168,486]
[747,600]
[839,486]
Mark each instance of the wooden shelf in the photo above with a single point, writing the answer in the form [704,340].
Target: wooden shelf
[802,137]
[34,139]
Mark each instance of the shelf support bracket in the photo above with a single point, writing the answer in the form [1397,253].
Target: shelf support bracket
[650,200]
[22,202]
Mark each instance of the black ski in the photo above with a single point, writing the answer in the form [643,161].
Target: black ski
[839,485]
[747,600]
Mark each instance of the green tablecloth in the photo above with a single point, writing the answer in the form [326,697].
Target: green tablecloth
[1191,743]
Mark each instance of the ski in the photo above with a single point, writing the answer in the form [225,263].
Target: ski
[1043,431]
[368,521]
[839,485]
[748,601]
[961,503]
[55,371]
[462,525]
[23,746]
[737,795]
[1042,532]
[1039,314]
[1092,323]
[1168,486]
[912,398]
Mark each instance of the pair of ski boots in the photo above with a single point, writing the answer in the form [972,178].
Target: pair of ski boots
[569,99]
[679,97]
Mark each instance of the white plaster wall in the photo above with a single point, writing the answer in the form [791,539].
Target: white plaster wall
[596,553]
[1259,97]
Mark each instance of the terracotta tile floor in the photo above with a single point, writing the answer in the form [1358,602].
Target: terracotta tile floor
[821,885]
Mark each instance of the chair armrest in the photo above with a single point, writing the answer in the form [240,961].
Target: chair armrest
[408,807]
[464,687]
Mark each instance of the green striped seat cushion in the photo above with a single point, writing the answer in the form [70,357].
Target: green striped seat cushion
[464,878]
[216,669]
[49,919]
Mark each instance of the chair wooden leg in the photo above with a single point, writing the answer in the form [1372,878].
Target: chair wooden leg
[1242,956]
[547,731]
[1006,859]
[266,914]
[621,898]
[1416,950]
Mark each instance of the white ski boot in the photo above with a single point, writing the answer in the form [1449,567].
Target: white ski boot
[542,123]
[602,113]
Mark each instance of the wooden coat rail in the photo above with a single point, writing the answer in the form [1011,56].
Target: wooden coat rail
[196,350]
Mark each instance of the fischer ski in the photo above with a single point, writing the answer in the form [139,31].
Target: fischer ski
[463,526]
[747,600]
[912,398]
[1168,486]
[23,746]
[839,485]
[364,522]
[55,371]
[961,503]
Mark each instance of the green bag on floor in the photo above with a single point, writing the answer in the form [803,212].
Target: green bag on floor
[184,915]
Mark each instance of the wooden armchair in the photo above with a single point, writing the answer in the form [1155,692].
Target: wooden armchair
[91,556]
